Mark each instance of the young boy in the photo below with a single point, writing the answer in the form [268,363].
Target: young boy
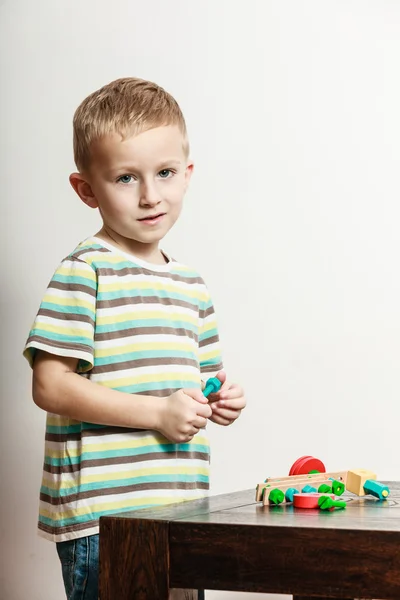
[125,336]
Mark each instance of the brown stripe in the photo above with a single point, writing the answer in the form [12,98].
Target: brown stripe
[112,335]
[139,270]
[143,362]
[211,368]
[72,287]
[68,528]
[66,316]
[128,300]
[162,485]
[90,432]
[206,313]
[58,345]
[123,460]
[84,251]
[208,341]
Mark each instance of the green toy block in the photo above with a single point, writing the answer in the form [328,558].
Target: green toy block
[324,488]
[338,487]
[379,490]
[326,503]
[276,496]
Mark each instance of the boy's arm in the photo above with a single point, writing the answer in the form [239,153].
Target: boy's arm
[58,389]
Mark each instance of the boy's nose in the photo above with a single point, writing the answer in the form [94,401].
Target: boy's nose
[149,195]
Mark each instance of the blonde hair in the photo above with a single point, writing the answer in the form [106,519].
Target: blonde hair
[126,106]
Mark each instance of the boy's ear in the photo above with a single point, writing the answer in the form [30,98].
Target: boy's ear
[83,189]
[188,173]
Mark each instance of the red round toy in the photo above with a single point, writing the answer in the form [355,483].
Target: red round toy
[305,464]
[308,500]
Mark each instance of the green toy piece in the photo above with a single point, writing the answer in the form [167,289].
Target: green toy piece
[324,488]
[213,385]
[379,490]
[276,496]
[338,487]
[326,503]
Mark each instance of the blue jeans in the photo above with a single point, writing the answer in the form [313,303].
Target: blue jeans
[80,568]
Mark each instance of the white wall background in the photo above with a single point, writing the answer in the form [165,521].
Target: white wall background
[292,218]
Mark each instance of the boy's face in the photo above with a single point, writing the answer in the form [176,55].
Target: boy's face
[138,184]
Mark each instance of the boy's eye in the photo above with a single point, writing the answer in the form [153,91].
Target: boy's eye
[165,173]
[125,179]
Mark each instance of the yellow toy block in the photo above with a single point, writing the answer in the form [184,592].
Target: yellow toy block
[356,479]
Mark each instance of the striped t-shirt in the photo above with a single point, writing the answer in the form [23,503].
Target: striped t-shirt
[138,328]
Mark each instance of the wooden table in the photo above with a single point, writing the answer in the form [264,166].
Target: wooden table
[230,542]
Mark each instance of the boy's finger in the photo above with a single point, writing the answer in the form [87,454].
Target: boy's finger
[200,422]
[226,413]
[196,395]
[234,391]
[221,421]
[221,375]
[233,404]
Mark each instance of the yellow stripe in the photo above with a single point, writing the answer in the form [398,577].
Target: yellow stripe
[209,325]
[209,355]
[153,285]
[108,477]
[67,330]
[131,443]
[106,506]
[144,346]
[74,271]
[66,301]
[144,315]
[149,378]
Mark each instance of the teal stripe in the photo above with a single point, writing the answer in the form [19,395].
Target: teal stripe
[86,343]
[165,322]
[62,462]
[63,429]
[76,309]
[131,356]
[76,428]
[138,292]
[157,385]
[100,455]
[75,279]
[121,483]
[96,515]
[208,334]
[144,450]
[101,262]
[84,246]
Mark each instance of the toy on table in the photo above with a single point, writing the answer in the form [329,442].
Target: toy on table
[308,476]
[213,385]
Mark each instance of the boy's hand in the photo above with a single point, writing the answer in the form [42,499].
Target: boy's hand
[184,413]
[227,403]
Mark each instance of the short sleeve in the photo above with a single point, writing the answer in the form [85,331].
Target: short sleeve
[64,324]
[209,343]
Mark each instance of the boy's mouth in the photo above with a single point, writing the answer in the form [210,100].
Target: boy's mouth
[152,218]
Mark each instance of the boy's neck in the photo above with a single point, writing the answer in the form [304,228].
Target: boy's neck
[149,252]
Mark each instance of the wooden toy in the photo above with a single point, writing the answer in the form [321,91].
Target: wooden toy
[316,481]
[299,482]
